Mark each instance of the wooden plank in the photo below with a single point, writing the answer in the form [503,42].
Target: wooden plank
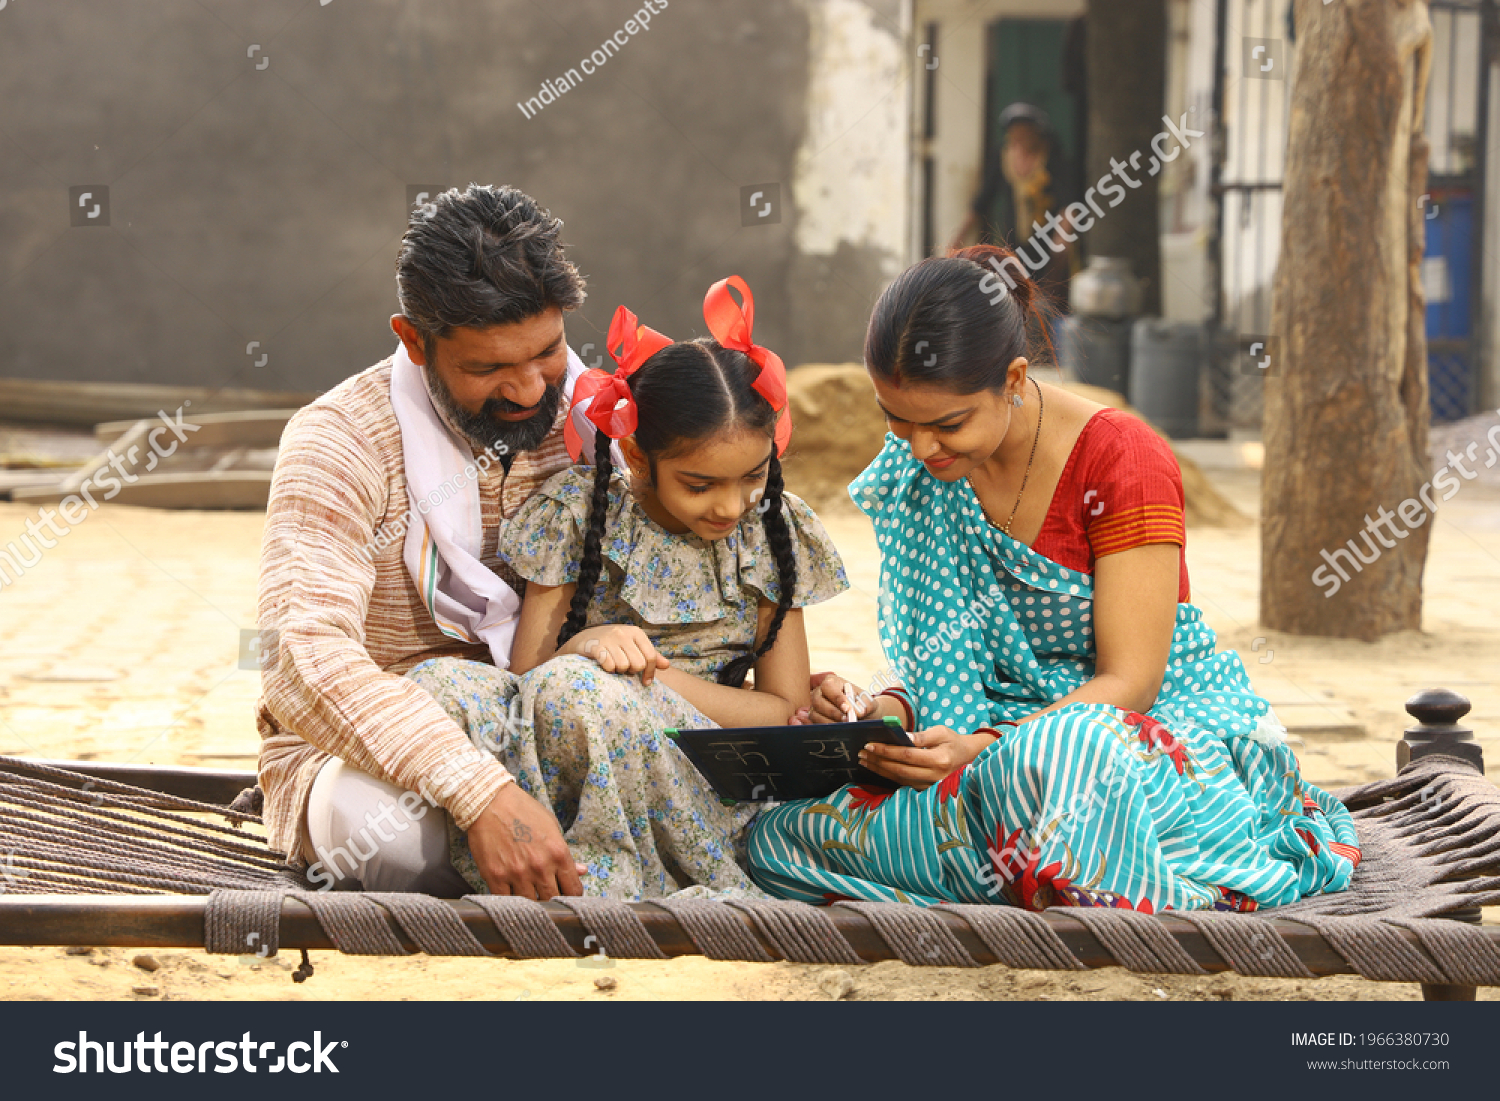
[12,481]
[208,489]
[252,428]
[203,785]
[127,448]
[32,401]
[176,921]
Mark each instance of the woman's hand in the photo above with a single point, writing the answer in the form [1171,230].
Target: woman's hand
[830,703]
[618,648]
[939,751]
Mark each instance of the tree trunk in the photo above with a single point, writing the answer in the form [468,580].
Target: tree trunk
[1346,406]
[1126,47]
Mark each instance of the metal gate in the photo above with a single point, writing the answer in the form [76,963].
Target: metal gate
[1452,270]
[1251,100]
[1255,44]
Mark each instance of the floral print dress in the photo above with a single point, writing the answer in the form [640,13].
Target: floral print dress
[590,743]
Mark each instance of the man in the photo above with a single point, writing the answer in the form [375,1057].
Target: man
[380,552]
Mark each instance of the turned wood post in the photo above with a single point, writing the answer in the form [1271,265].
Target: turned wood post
[1438,711]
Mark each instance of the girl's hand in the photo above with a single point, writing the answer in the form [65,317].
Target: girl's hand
[939,751]
[829,699]
[618,648]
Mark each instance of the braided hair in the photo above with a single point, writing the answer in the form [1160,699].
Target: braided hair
[592,562]
[684,394]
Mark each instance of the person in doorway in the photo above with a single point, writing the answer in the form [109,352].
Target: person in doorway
[1022,200]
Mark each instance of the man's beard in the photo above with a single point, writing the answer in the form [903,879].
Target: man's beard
[484,430]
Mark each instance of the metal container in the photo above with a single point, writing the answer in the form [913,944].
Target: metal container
[1106,288]
[1166,364]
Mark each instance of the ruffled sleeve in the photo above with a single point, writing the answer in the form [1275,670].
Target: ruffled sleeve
[543,541]
[665,578]
[820,570]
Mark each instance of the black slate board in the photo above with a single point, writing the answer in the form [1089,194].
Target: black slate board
[758,764]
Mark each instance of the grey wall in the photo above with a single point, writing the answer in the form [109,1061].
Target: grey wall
[266,205]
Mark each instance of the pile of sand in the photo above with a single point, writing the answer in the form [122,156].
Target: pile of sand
[839,429]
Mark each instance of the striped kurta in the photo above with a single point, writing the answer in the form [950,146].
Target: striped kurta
[348,619]
[1197,804]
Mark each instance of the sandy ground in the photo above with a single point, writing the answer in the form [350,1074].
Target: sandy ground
[122,645]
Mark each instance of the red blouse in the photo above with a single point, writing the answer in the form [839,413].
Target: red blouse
[1121,488]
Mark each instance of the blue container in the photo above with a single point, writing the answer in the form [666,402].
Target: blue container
[1447,277]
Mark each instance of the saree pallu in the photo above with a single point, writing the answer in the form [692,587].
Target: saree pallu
[1197,804]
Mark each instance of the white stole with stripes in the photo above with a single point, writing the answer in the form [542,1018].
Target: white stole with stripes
[445,532]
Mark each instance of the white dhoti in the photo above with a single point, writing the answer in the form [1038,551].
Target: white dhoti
[366,834]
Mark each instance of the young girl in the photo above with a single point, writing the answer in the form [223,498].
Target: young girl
[652,594]
[692,570]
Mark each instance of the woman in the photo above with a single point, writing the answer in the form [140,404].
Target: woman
[1079,741]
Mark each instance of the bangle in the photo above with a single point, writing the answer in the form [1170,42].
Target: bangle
[899,695]
[991,731]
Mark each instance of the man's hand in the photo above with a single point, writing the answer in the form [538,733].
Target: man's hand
[520,850]
[939,751]
[618,648]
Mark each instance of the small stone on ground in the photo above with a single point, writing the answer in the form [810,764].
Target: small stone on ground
[836,984]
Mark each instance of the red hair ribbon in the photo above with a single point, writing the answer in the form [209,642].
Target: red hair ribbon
[731,325]
[612,410]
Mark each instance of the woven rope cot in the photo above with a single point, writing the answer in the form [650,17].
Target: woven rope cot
[88,858]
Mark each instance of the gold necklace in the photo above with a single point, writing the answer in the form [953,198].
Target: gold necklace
[1041,411]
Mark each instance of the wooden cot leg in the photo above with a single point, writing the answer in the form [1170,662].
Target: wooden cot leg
[1438,711]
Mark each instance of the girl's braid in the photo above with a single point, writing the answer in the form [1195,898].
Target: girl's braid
[592,560]
[779,539]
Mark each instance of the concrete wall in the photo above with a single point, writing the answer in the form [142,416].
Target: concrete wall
[851,185]
[258,194]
